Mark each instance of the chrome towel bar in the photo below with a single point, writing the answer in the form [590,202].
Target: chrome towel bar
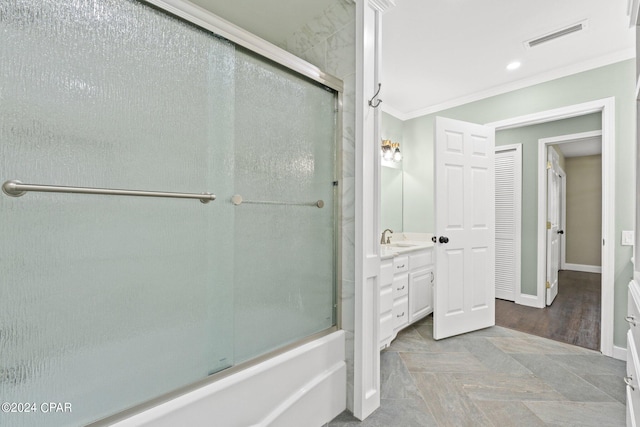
[15,188]
[237,200]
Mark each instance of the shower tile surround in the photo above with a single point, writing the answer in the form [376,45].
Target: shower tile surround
[328,42]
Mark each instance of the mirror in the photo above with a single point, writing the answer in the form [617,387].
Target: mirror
[391,198]
[391,178]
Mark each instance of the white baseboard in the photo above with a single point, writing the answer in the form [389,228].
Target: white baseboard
[619,353]
[583,268]
[529,300]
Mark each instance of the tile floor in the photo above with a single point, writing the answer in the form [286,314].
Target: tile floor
[493,377]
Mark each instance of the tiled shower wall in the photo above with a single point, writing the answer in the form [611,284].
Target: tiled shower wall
[329,42]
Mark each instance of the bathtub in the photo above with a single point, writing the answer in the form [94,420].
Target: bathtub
[303,386]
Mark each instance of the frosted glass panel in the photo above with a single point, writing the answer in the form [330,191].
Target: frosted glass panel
[107,301]
[284,254]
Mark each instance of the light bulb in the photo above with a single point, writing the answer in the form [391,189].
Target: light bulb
[388,154]
[397,155]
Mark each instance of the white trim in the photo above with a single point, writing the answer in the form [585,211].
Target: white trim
[582,267]
[574,137]
[602,61]
[619,353]
[517,212]
[529,300]
[208,21]
[563,218]
[607,107]
[392,111]
[366,360]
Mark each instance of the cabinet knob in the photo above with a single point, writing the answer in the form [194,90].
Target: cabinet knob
[399,289]
[400,315]
[631,319]
[443,239]
[627,380]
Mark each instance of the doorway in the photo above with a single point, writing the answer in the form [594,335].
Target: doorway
[606,108]
[573,280]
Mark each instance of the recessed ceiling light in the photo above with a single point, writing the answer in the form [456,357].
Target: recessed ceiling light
[513,66]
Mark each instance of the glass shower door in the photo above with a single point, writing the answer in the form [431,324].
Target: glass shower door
[109,301]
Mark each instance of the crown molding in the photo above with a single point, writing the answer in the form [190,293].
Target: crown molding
[602,61]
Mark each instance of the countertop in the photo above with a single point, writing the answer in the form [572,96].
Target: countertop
[405,242]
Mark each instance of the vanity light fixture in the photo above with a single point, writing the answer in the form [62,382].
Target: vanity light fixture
[390,151]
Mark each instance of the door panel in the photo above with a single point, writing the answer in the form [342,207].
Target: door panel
[553,224]
[465,219]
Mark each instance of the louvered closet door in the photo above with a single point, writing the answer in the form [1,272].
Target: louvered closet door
[508,162]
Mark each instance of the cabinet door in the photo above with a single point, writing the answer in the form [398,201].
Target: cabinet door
[420,293]
[386,302]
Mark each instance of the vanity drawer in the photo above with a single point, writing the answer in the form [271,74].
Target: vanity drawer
[400,312]
[421,259]
[400,285]
[400,264]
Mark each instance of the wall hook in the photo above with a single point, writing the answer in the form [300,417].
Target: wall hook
[375,96]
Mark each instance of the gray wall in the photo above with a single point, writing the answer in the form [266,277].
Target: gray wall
[528,136]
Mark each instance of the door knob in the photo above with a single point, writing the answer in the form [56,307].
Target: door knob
[443,239]
[560,231]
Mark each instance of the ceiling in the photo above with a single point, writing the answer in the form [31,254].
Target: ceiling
[583,147]
[441,53]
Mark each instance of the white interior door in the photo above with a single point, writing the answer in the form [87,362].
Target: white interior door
[464,291]
[553,224]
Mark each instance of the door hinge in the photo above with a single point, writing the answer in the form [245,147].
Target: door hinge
[548,285]
[548,225]
[548,164]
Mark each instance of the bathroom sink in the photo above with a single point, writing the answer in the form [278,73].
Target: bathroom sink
[402,245]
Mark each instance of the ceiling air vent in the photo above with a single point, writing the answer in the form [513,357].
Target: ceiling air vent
[557,34]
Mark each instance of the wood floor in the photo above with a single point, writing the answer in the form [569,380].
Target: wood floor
[573,318]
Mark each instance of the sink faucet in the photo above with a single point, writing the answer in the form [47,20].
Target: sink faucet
[386,240]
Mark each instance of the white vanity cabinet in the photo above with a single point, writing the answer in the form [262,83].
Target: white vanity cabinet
[421,285]
[406,291]
[633,363]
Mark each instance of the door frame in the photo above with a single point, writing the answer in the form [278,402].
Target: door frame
[559,140]
[606,107]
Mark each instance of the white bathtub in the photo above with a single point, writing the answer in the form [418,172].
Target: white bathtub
[304,386]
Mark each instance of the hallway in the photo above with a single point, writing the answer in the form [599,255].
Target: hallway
[573,318]
[493,377]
